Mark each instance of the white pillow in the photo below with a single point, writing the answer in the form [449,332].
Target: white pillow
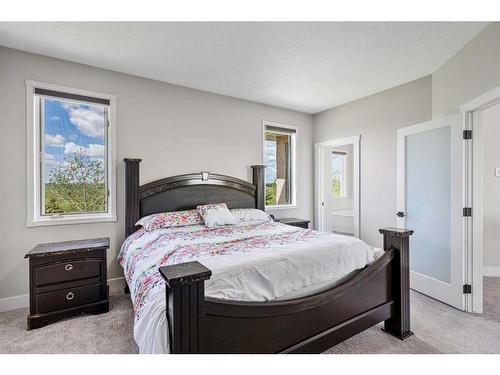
[216,215]
[250,214]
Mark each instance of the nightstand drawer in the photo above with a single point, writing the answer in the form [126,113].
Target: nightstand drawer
[67,298]
[70,270]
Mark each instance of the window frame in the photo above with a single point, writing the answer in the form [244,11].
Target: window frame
[293,162]
[34,189]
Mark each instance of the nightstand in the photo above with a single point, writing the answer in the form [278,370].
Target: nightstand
[66,279]
[302,223]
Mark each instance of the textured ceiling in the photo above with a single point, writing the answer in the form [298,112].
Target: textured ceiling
[307,67]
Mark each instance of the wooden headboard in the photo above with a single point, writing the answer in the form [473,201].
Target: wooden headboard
[187,191]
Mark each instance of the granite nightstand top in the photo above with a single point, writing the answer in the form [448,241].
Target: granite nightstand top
[45,249]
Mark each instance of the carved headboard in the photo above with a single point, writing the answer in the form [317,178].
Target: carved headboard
[187,191]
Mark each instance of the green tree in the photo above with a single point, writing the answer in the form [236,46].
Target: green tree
[77,185]
[336,187]
[271,193]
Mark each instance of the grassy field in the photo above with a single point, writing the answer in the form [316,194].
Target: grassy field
[74,198]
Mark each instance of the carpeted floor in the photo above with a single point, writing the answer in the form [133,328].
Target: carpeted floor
[438,329]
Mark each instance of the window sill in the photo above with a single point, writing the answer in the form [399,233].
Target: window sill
[65,220]
[281,207]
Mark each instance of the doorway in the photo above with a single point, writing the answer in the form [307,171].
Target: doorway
[482,180]
[337,182]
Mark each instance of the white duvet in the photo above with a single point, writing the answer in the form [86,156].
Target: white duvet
[253,261]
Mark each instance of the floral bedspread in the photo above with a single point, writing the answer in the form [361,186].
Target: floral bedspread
[143,253]
[251,261]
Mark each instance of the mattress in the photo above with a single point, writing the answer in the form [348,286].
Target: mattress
[251,261]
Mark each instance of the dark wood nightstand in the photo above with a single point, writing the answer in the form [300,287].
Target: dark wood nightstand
[302,223]
[66,279]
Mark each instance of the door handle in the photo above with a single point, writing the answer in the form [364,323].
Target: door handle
[400,214]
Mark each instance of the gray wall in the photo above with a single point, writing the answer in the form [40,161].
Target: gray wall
[474,70]
[491,186]
[376,118]
[173,129]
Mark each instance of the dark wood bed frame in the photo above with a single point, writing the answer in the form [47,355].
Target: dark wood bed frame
[311,324]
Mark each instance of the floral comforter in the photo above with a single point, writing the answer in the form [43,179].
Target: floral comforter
[253,261]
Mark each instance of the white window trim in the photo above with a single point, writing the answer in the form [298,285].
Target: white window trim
[295,141]
[33,217]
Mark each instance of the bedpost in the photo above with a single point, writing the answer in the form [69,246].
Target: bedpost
[131,194]
[399,239]
[260,184]
[185,301]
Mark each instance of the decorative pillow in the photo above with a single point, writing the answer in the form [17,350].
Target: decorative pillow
[250,214]
[215,215]
[170,219]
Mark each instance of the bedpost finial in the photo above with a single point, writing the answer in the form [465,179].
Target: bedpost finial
[131,194]
[396,232]
[398,240]
[259,181]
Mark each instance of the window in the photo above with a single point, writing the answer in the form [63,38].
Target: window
[279,159]
[339,174]
[71,163]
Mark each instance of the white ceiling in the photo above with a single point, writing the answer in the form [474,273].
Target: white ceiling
[307,67]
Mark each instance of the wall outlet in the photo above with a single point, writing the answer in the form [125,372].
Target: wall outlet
[497,172]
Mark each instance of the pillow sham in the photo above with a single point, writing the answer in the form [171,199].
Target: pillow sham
[215,215]
[250,214]
[170,219]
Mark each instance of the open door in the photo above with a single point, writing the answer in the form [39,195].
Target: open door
[337,186]
[430,196]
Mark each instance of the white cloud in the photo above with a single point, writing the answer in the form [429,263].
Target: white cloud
[55,118]
[54,140]
[93,150]
[88,119]
[50,160]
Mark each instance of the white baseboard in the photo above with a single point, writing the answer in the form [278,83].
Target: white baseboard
[116,286]
[13,303]
[491,271]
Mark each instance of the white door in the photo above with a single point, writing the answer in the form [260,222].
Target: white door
[430,196]
[324,204]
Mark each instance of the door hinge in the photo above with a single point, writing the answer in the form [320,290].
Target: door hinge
[467,289]
[467,211]
[467,134]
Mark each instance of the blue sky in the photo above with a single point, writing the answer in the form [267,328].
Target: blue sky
[69,128]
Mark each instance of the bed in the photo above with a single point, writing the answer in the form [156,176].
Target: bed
[257,286]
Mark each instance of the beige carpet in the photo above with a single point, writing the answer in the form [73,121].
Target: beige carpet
[438,329]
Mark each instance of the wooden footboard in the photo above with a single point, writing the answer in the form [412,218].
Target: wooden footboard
[312,324]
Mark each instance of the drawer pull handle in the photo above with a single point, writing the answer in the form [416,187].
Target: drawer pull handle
[68,267]
[70,296]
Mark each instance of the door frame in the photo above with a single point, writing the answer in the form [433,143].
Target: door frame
[473,182]
[318,179]
[439,288]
